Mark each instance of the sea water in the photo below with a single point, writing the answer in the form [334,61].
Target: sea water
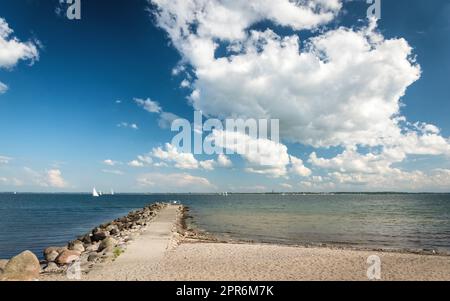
[392,221]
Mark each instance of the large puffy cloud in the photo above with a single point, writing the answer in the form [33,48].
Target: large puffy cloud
[12,50]
[342,87]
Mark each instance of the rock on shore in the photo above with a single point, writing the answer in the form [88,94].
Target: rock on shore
[3,263]
[23,267]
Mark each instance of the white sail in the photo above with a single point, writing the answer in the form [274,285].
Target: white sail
[95,193]
[112,192]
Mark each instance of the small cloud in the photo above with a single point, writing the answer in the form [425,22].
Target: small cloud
[13,182]
[178,69]
[118,101]
[113,172]
[185,84]
[50,178]
[145,159]
[141,161]
[287,186]
[55,179]
[110,162]
[148,105]
[3,88]
[60,9]
[5,160]
[133,126]
[136,163]
[180,160]
[13,50]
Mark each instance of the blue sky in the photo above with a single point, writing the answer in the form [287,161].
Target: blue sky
[62,109]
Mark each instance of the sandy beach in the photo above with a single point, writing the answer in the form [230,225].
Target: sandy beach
[159,254]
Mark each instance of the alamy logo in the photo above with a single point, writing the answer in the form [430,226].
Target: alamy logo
[374,270]
[74,9]
[374,10]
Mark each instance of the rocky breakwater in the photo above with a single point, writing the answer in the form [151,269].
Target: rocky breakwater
[183,232]
[104,243]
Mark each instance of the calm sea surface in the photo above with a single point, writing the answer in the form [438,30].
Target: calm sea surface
[36,221]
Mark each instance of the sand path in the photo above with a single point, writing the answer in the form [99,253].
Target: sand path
[143,255]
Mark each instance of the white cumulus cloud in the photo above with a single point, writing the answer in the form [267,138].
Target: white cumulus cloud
[148,105]
[133,126]
[263,156]
[51,178]
[12,50]
[110,162]
[55,179]
[171,154]
[343,87]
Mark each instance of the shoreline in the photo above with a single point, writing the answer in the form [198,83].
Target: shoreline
[165,247]
[202,235]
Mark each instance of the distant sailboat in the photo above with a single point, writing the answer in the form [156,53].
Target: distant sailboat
[112,192]
[95,193]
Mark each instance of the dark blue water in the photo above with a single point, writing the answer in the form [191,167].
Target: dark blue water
[36,221]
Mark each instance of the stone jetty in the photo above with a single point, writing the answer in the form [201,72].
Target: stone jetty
[104,243]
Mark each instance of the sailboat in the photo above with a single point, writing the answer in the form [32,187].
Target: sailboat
[95,193]
[112,192]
